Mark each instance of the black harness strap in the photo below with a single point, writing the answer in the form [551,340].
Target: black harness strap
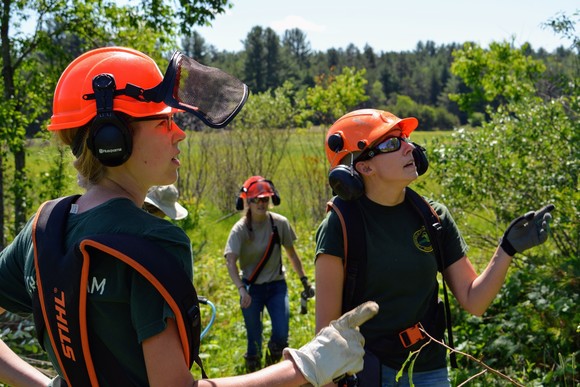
[274,239]
[60,303]
[434,228]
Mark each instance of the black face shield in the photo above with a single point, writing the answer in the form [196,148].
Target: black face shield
[207,92]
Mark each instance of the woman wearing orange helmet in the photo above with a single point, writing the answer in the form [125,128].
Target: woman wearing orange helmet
[372,163]
[256,240]
[115,109]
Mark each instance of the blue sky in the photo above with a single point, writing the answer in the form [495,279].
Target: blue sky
[393,25]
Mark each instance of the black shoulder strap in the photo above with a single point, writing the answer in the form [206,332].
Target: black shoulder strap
[434,229]
[60,302]
[274,239]
[355,249]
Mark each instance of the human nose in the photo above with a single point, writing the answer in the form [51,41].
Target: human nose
[407,147]
[179,134]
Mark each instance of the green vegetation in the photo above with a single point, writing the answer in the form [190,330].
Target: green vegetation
[512,148]
[528,326]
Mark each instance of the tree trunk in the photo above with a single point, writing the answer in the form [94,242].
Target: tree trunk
[2,236]
[20,190]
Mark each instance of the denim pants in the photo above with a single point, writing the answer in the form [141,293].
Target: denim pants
[434,378]
[273,296]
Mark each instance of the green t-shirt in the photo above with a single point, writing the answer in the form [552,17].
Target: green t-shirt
[251,249]
[401,274]
[123,308]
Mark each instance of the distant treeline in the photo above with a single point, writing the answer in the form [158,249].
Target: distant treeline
[423,74]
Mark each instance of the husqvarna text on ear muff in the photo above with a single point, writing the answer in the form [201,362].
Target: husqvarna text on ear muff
[109,138]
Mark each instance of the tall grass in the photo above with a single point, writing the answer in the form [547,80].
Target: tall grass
[214,165]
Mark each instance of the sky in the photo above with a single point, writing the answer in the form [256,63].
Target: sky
[393,25]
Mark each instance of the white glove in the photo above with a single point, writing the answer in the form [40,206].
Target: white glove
[336,350]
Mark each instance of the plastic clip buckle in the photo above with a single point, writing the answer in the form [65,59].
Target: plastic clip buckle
[412,335]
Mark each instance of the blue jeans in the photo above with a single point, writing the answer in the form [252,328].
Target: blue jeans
[434,378]
[273,296]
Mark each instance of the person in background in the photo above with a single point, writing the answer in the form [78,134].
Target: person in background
[372,164]
[161,201]
[256,240]
[124,143]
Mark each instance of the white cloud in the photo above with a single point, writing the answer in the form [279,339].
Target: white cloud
[293,21]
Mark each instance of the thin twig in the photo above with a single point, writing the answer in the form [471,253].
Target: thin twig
[472,377]
[494,371]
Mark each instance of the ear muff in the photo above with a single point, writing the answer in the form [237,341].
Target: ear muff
[240,200]
[345,182]
[275,197]
[420,157]
[109,139]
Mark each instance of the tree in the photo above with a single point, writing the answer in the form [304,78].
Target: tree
[195,47]
[523,157]
[334,96]
[273,61]
[297,47]
[502,73]
[32,58]
[255,63]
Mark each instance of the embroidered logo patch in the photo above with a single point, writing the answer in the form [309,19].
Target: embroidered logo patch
[422,241]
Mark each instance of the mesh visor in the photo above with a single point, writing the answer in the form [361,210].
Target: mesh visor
[207,92]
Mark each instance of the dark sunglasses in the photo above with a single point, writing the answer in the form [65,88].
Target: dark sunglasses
[391,144]
[259,200]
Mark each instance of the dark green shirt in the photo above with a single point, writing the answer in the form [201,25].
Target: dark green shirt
[123,308]
[401,273]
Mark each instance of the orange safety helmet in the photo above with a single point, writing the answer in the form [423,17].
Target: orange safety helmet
[72,110]
[360,129]
[257,187]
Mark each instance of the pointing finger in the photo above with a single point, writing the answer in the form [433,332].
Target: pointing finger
[357,316]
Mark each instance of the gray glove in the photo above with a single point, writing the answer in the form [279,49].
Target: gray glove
[336,350]
[527,231]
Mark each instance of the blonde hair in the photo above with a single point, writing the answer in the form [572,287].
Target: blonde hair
[90,170]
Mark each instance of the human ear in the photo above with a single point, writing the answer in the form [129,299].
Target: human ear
[363,168]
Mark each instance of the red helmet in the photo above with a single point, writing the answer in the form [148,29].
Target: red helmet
[360,129]
[257,187]
[72,110]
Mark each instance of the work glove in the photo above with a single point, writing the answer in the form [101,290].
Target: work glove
[308,289]
[336,350]
[527,231]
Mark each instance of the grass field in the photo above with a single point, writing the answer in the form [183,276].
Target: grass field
[214,164]
[298,168]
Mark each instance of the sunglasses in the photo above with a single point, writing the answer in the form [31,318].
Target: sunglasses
[259,200]
[390,145]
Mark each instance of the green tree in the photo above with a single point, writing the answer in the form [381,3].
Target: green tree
[32,34]
[298,51]
[523,157]
[334,96]
[495,76]
[262,63]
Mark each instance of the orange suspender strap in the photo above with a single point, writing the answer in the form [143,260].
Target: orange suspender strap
[69,326]
[355,251]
